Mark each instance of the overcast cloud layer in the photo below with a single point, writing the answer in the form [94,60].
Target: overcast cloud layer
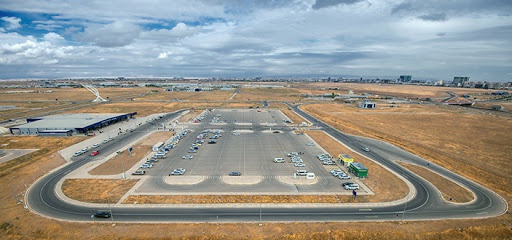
[436,39]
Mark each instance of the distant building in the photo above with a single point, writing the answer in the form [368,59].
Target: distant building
[367,104]
[405,78]
[460,81]
[68,124]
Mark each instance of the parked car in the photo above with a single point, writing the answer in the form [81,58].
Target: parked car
[346,184]
[77,154]
[175,172]
[94,153]
[343,176]
[235,174]
[212,142]
[354,186]
[187,157]
[329,163]
[192,151]
[102,214]
[299,165]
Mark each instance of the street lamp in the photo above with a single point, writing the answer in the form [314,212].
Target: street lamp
[110,208]
[405,207]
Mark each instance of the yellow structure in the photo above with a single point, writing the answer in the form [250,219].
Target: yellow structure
[345,159]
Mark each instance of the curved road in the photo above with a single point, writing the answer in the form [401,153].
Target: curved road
[426,204]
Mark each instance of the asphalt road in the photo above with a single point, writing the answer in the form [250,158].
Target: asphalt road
[426,204]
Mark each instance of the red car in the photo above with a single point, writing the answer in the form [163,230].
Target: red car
[94,153]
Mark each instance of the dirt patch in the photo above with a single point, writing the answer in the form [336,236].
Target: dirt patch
[219,199]
[140,150]
[385,185]
[104,190]
[449,190]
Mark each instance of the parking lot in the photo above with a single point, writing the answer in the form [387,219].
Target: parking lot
[247,141]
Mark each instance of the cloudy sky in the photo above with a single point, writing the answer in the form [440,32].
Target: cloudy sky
[433,39]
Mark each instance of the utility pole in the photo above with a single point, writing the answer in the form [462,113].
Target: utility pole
[405,207]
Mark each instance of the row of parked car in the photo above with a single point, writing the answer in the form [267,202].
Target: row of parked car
[161,154]
[326,159]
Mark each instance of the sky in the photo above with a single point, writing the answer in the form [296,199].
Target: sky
[428,39]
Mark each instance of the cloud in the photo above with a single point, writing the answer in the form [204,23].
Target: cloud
[164,55]
[435,17]
[11,22]
[53,37]
[116,34]
[329,3]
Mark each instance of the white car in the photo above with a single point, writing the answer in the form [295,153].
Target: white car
[366,149]
[343,176]
[354,186]
[187,157]
[95,145]
[310,144]
[299,165]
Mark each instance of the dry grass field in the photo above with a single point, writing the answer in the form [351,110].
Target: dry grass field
[205,96]
[270,94]
[409,91]
[475,143]
[449,190]
[457,138]
[97,190]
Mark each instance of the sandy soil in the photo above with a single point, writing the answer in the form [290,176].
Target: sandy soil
[450,191]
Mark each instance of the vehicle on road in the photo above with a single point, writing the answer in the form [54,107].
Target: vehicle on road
[276,131]
[102,214]
[279,160]
[192,151]
[354,186]
[94,153]
[212,142]
[95,145]
[139,172]
[310,144]
[235,174]
[187,157]
[299,165]
[366,149]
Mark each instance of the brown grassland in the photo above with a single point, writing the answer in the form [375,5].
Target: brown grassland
[104,190]
[449,190]
[474,143]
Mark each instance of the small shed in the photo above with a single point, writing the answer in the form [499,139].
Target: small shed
[345,159]
[358,169]
[367,104]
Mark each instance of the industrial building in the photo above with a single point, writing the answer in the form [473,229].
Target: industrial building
[358,170]
[68,124]
[345,159]
[460,81]
[405,78]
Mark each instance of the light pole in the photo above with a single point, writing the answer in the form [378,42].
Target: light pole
[122,167]
[110,208]
[261,200]
[405,207]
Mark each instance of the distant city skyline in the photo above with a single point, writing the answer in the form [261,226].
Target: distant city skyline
[436,40]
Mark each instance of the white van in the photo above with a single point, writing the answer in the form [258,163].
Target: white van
[302,172]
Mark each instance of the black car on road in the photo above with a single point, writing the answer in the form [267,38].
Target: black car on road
[235,174]
[102,214]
